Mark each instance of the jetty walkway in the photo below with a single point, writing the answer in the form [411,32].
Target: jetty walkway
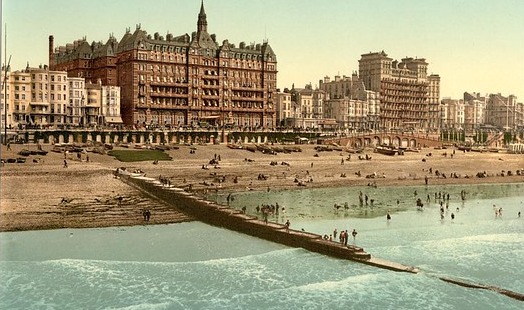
[230,218]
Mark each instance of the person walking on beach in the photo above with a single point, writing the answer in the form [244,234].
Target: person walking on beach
[388,216]
[65,163]
[8,146]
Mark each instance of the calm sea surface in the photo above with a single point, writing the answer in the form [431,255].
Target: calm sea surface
[197,266]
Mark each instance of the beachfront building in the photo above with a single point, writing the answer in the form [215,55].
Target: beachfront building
[103,104]
[284,108]
[502,111]
[404,89]
[36,97]
[434,118]
[16,96]
[519,118]
[474,110]
[307,107]
[39,97]
[350,104]
[179,80]
[339,87]
[77,111]
[452,113]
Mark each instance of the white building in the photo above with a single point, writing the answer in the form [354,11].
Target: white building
[77,113]
[284,108]
[35,97]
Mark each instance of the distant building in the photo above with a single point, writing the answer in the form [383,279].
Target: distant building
[339,87]
[453,115]
[502,111]
[183,80]
[284,109]
[350,104]
[404,89]
[434,118]
[307,107]
[474,110]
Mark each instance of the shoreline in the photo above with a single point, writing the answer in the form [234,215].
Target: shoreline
[32,193]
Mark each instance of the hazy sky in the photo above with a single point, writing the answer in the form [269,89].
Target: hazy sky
[474,45]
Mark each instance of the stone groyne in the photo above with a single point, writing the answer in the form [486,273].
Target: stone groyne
[230,218]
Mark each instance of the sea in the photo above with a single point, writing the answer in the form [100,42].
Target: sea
[193,265]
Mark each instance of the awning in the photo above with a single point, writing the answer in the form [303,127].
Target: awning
[113,119]
[210,117]
[328,122]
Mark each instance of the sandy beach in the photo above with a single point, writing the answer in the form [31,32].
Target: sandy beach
[42,194]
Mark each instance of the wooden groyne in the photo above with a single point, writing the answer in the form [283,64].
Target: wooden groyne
[230,218]
[469,284]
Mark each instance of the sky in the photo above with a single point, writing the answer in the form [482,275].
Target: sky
[474,45]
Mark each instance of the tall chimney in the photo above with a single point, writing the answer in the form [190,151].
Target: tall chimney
[51,52]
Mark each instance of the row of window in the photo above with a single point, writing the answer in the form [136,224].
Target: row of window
[239,60]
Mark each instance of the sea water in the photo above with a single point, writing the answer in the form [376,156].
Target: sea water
[197,266]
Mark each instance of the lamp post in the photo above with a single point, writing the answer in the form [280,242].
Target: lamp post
[6,64]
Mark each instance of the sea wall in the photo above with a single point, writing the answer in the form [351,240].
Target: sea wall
[178,136]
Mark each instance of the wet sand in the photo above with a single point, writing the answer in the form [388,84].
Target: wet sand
[45,195]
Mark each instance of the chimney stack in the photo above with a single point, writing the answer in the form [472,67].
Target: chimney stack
[51,52]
